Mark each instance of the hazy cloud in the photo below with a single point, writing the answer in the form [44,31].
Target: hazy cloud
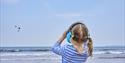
[68,15]
[9,1]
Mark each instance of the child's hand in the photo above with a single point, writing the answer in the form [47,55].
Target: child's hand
[63,36]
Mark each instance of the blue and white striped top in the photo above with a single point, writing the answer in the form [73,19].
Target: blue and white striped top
[69,53]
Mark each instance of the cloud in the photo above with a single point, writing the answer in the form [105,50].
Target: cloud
[9,1]
[46,5]
[68,15]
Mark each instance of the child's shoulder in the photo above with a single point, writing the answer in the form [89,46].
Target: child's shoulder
[68,46]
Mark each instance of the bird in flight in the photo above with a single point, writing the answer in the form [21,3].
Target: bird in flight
[18,28]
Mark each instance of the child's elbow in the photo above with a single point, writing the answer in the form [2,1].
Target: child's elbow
[53,49]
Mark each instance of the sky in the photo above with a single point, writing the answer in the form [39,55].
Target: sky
[42,22]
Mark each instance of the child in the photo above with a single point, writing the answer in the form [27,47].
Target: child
[80,47]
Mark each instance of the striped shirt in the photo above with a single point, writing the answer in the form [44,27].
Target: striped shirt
[69,53]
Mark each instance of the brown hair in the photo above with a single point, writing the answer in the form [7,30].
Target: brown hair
[84,35]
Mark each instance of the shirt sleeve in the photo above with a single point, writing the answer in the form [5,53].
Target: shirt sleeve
[57,48]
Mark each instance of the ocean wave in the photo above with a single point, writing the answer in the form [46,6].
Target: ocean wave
[26,53]
[24,49]
[109,52]
[18,50]
[97,50]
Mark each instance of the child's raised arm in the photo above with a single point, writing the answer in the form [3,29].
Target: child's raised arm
[57,47]
[62,37]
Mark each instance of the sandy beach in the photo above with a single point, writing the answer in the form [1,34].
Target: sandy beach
[49,57]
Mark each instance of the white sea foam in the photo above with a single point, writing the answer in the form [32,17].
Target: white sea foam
[25,53]
[108,52]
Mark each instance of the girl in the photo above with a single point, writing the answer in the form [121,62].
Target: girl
[79,47]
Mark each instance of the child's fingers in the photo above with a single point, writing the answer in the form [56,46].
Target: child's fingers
[64,34]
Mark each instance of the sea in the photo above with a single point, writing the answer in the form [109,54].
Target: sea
[45,55]
[25,50]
